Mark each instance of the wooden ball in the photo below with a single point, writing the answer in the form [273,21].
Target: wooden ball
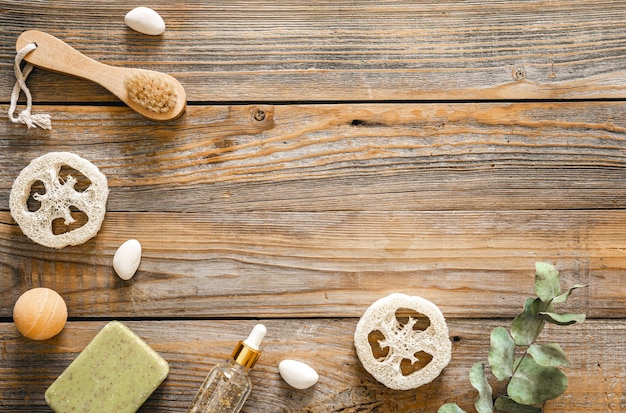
[40,313]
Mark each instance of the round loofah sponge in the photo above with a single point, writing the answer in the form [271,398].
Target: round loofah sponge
[403,342]
[60,195]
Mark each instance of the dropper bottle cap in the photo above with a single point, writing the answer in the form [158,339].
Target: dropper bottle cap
[248,351]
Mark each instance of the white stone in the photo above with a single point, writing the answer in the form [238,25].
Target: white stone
[126,259]
[298,374]
[145,20]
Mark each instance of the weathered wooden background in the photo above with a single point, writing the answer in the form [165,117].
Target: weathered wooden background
[332,152]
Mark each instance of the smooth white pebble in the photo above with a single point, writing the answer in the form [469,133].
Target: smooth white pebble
[127,258]
[145,20]
[297,374]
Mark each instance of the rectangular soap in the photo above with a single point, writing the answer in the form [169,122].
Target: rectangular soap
[115,373]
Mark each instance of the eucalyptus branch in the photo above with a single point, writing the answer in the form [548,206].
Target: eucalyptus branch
[534,377]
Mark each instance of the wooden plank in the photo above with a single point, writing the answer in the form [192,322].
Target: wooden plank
[471,264]
[295,50]
[368,157]
[595,350]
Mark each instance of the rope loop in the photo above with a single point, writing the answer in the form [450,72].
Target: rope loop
[25,116]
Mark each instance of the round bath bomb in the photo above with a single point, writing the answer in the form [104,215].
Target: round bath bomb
[59,198]
[402,342]
[40,313]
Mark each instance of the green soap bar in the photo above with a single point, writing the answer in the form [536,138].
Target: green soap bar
[115,373]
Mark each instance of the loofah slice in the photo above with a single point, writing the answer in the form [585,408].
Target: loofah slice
[60,195]
[402,342]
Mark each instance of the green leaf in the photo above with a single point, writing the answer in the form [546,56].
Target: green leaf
[563,297]
[450,408]
[483,402]
[562,319]
[548,355]
[505,404]
[534,384]
[547,284]
[501,353]
[527,325]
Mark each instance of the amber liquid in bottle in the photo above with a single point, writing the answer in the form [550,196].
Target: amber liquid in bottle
[228,385]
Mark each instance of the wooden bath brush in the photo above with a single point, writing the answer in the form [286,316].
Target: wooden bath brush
[153,94]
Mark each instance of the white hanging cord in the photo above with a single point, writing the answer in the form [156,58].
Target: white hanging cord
[25,117]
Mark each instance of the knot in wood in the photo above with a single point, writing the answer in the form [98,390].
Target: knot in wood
[519,73]
[261,116]
[258,115]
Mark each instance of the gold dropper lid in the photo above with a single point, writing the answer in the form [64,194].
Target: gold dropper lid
[245,355]
[248,352]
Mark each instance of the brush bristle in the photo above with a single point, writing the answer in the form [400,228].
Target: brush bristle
[152,92]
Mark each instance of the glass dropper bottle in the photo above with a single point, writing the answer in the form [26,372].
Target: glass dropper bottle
[227,386]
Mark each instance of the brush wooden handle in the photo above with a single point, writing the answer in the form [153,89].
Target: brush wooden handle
[55,55]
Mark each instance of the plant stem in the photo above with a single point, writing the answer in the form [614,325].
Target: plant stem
[535,337]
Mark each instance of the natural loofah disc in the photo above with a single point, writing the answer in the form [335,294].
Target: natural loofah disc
[402,342]
[59,200]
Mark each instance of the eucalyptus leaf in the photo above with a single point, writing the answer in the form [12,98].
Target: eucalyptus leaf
[547,285]
[548,355]
[527,325]
[483,402]
[450,408]
[501,353]
[562,319]
[533,383]
[506,404]
[563,297]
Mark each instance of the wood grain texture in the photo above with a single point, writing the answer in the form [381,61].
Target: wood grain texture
[332,152]
[359,157]
[596,377]
[363,50]
[472,264]
[324,208]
